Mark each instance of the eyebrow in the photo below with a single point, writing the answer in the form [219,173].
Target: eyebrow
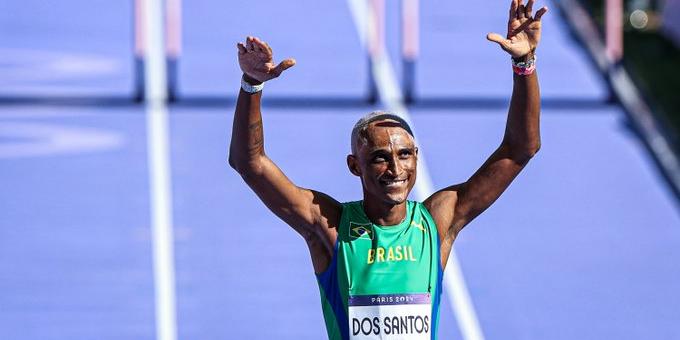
[374,152]
[385,150]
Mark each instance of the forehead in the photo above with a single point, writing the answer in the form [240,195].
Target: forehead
[385,133]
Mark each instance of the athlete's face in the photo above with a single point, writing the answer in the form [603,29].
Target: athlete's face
[386,162]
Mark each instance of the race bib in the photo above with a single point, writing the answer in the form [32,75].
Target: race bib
[390,316]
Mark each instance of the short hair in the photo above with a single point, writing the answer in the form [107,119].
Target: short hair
[359,129]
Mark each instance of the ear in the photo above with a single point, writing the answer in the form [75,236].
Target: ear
[353,165]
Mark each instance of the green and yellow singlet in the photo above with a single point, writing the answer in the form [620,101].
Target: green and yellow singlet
[383,282]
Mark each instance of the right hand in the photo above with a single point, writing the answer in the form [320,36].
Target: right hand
[256,60]
[524,30]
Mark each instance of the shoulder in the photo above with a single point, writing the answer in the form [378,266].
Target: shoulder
[352,215]
[421,208]
[351,208]
[351,204]
[442,206]
[442,203]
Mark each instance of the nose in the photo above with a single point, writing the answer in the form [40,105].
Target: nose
[395,167]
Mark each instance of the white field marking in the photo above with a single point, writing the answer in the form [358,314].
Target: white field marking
[359,15]
[390,95]
[39,139]
[159,171]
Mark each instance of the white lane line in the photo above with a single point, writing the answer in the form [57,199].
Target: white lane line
[390,96]
[159,171]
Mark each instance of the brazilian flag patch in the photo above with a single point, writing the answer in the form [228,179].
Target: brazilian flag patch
[360,230]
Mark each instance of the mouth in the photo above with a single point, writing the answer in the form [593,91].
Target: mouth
[393,183]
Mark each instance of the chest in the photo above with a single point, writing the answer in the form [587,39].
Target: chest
[375,261]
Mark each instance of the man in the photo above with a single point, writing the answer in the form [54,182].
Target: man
[379,261]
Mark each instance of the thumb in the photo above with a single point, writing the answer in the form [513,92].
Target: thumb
[284,65]
[497,38]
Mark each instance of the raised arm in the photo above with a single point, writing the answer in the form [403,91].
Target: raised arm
[312,214]
[455,206]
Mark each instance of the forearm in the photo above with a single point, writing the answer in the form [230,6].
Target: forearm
[247,137]
[522,133]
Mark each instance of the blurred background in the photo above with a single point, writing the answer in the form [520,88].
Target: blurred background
[584,244]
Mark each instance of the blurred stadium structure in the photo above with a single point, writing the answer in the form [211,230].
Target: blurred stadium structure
[671,20]
[607,53]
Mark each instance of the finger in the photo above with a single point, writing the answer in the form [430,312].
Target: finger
[256,45]
[513,9]
[241,48]
[540,13]
[269,49]
[249,44]
[529,8]
[259,45]
[284,65]
[522,27]
[497,38]
[520,11]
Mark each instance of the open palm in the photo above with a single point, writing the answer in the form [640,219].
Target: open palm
[524,30]
[256,60]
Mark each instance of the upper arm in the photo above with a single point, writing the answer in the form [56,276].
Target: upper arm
[456,206]
[312,214]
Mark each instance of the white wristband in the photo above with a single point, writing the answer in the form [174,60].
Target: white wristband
[251,88]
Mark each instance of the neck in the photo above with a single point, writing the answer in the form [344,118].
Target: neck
[382,213]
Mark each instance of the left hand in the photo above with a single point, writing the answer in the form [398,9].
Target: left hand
[524,31]
[256,60]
